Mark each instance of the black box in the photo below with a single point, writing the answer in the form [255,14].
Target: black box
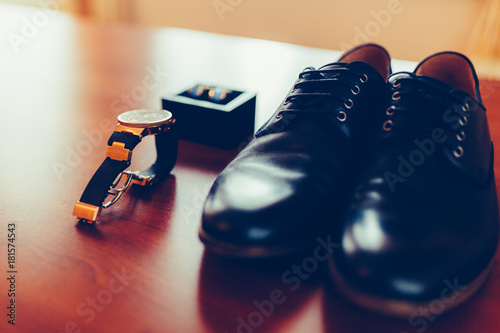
[213,116]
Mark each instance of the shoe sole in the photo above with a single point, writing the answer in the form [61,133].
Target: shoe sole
[404,309]
[215,246]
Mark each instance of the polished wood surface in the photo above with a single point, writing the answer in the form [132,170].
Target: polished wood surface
[142,268]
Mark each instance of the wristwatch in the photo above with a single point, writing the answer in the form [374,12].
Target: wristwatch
[132,127]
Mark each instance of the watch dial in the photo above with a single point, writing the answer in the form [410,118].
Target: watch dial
[144,118]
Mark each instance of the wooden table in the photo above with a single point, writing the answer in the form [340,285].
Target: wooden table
[142,267]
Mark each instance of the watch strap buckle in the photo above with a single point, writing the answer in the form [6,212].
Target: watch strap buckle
[130,177]
[117,193]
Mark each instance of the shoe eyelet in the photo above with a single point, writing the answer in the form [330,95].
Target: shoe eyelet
[351,103]
[389,112]
[396,84]
[279,115]
[465,108]
[463,121]
[355,92]
[395,96]
[458,152]
[461,136]
[342,116]
[364,78]
[388,125]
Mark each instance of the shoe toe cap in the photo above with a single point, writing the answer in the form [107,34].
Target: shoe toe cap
[246,207]
[385,258]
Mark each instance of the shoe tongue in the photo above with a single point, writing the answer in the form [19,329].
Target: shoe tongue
[334,65]
[427,79]
[356,66]
[433,88]
[400,75]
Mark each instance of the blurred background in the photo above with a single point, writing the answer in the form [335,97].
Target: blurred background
[410,29]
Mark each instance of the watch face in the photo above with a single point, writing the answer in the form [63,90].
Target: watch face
[145,118]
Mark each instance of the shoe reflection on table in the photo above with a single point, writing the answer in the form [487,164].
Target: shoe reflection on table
[252,296]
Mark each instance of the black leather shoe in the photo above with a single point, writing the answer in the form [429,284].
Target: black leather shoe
[280,191]
[421,230]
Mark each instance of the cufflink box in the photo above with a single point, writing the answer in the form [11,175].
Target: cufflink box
[213,115]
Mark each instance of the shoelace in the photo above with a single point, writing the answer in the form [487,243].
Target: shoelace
[318,84]
[424,114]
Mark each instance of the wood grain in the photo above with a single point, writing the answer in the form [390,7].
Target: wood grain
[142,267]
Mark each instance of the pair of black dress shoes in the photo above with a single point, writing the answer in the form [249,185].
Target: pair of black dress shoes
[396,169]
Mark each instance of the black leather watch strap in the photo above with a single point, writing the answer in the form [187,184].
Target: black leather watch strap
[120,146]
[130,140]
[97,188]
[166,149]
